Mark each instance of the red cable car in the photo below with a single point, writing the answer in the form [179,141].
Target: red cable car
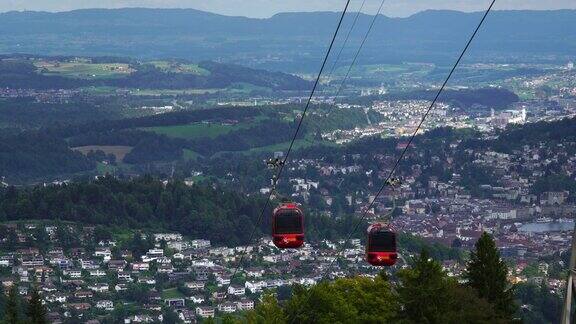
[288,226]
[381,246]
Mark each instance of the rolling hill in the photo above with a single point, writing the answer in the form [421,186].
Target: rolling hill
[287,41]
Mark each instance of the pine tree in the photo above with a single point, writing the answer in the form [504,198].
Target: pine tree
[487,273]
[267,312]
[36,311]
[12,316]
[2,302]
[423,291]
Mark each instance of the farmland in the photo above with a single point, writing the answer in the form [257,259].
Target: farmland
[195,130]
[175,67]
[84,69]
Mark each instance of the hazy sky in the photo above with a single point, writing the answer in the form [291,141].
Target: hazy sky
[266,8]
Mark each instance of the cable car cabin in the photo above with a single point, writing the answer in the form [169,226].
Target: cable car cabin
[288,226]
[381,246]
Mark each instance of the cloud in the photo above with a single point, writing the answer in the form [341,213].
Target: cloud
[266,8]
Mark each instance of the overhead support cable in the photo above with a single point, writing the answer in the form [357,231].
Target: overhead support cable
[359,49]
[345,41]
[423,119]
[283,164]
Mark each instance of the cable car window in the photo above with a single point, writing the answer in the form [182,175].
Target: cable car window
[288,221]
[383,242]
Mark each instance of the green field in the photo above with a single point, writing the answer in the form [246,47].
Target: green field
[171,293]
[190,155]
[175,67]
[170,92]
[385,69]
[84,70]
[195,130]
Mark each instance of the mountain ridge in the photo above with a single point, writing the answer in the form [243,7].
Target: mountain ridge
[292,41]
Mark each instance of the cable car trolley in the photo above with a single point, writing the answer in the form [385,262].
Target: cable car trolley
[288,226]
[381,246]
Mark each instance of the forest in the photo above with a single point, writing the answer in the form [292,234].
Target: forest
[222,215]
[33,155]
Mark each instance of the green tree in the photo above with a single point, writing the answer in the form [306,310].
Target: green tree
[41,238]
[428,295]
[102,233]
[267,312]
[12,239]
[423,291]
[487,273]
[12,307]
[349,300]
[169,316]
[36,311]
[2,302]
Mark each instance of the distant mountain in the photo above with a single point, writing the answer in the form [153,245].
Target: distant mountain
[288,41]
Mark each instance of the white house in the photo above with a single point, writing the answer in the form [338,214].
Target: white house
[205,311]
[245,304]
[167,237]
[255,286]
[197,299]
[227,307]
[56,298]
[105,304]
[140,266]
[195,285]
[99,287]
[236,290]
[223,280]
[97,273]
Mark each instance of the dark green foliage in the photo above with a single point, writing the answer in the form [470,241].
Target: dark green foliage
[221,216]
[554,183]
[3,301]
[424,291]
[169,316]
[41,238]
[429,296]
[66,235]
[22,74]
[266,133]
[137,293]
[32,155]
[139,245]
[353,300]
[26,113]
[154,148]
[487,273]
[425,294]
[543,305]
[101,233]
[12,314]
[267,312]
[36,311]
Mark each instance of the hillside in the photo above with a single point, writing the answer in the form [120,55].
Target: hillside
[71,72]
[288,41]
